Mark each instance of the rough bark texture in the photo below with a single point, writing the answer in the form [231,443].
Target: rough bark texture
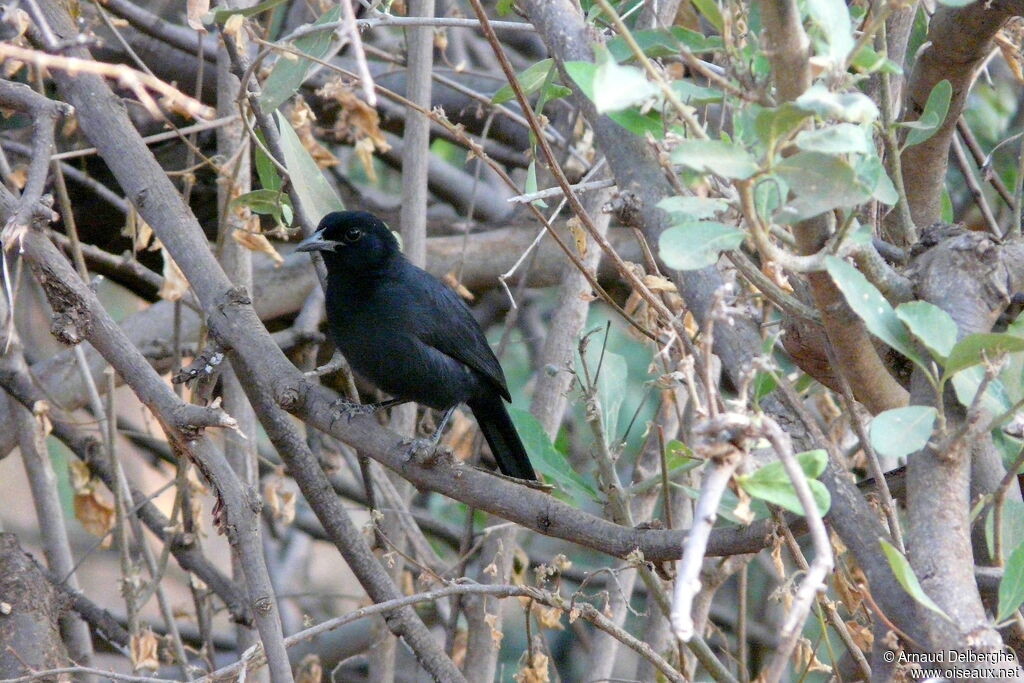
[30,611]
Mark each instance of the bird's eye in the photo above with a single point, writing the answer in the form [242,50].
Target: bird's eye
[353,235]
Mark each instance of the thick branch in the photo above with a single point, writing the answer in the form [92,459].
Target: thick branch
[959,40]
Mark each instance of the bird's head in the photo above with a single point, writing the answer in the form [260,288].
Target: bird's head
[353,240]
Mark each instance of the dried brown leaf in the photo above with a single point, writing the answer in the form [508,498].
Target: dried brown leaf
[175,285]
[302,119]
[233,27]
[579,235]
[145,649]
[356,119]
[460,289]
[95,513]
[496,635]
[195,11]
[658,283]
[310,670]
[535,670]
[258,242]
[364,152]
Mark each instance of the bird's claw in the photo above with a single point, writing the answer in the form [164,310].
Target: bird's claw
[421,451]
[349,409]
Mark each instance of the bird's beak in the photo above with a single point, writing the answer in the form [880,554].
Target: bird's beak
[316,242]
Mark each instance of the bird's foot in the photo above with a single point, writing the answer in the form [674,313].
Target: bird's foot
[421,451]
[350,409]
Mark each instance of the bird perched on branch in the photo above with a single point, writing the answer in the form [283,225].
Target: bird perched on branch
[409,334]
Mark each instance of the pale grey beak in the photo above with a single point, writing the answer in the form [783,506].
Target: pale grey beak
[316,242]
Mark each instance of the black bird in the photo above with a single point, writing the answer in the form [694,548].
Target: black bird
[409,334]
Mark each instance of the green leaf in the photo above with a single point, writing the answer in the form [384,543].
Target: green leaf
[854,107]
[530,80]
[222,15]
[833,18]
[288,74]
[868,61]
[266,202]
[530,186]
[821,182]
[974,348]
[679,457]
[771,483]
[935,110]
[841,138]
[873,176]
[709,8]
[902,431]
[908,579]
[1013,524]
[715,156]
[547,460]
[694,94]
[956,3]
[777,122]
[1011,587]
[663,43]
[994,401]
[316,194]
[618,87]
[692,245]
[693,207]
[946,206]
[610,383]
[266,171]
[931,325]
[871,307]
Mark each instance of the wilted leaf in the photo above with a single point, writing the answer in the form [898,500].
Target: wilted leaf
[310,670]
[93,510]
[280,499]
[355,119]
[195,10]
[174,285]
[460,289]
[258,242]
[492,621]
[579,235]
[145,651]
[302,118]
[535,671]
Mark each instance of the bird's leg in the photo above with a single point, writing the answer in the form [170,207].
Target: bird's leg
[350,409]
[426,447]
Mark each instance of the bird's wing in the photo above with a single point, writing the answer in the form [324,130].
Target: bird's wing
[451,328]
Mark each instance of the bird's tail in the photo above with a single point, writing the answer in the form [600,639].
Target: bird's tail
[502,437]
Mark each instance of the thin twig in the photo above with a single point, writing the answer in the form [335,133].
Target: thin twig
[136,81]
